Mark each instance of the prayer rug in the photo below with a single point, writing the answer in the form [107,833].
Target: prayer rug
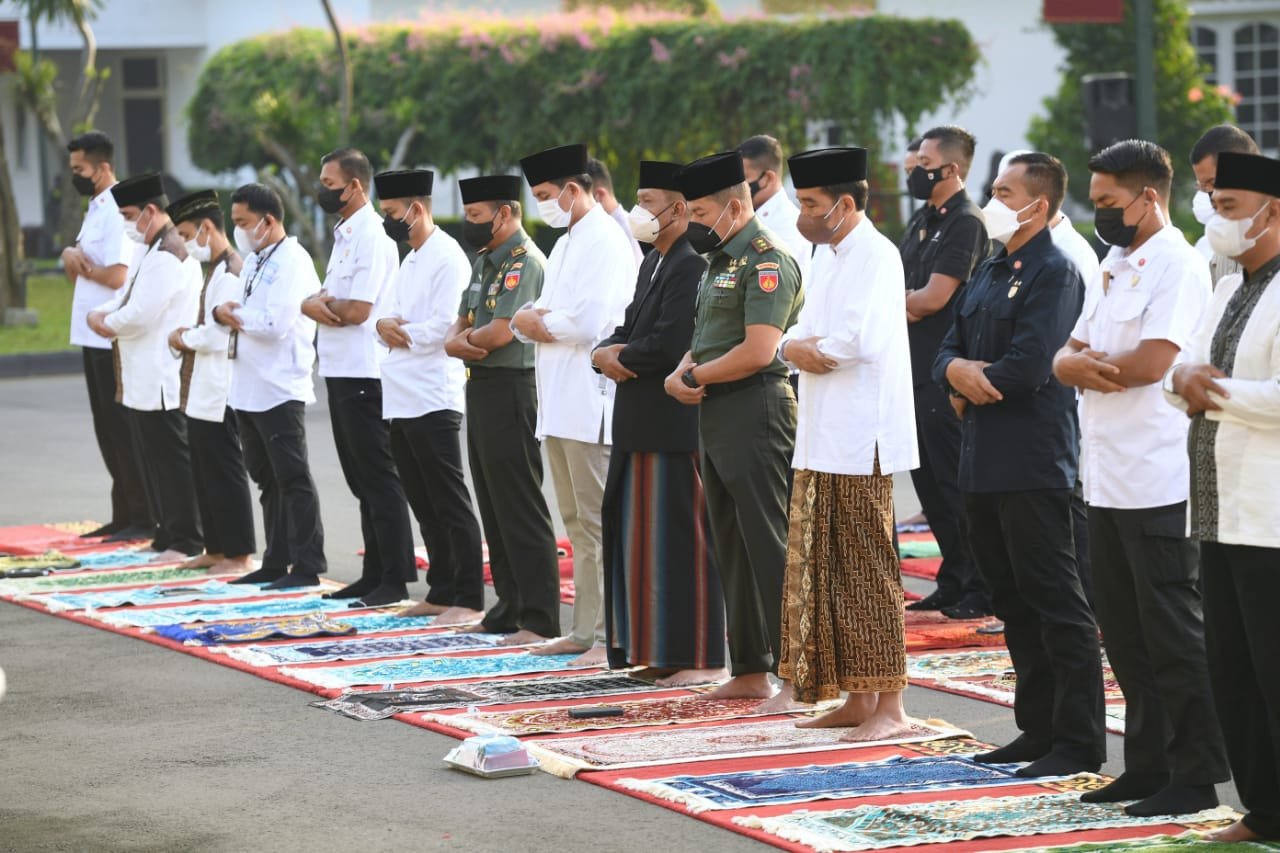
[566,756]
[39,538]
[218,612]
[210,590]
[675,710]
[48,560]
[1160,844]
[909,824]
[256,630]
[370,647]
[914,548]
[784,785]
[86,580]
[414,670]
[382,620]
[958,664]
[925,568]
[120,558]
[952,634]
[380,704]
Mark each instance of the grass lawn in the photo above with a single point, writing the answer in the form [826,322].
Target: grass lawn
[50,296]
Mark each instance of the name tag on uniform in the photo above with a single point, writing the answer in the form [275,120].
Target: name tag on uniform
[475,286]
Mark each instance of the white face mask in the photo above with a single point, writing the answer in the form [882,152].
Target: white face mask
[1227,236]
[1202,207]
[552,213]
[247,241]
[1002,220]
[195,250]
[133,232]
[644,225]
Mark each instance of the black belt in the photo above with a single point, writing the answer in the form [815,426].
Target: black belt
[720,389]
[475,373]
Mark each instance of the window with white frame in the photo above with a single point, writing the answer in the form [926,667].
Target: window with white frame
[1257,81]
[1205,41]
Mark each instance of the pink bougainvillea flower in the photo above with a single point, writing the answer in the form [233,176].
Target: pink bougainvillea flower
[660,51]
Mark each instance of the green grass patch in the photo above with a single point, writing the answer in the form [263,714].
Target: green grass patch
[50,296]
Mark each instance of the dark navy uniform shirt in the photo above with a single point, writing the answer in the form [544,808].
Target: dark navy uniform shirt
[1016,312]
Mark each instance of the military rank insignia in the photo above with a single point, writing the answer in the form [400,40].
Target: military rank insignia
[768,280]
[518,251]
[761,244]
[512,280]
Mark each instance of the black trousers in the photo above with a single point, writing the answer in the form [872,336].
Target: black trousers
[129,504]
[428,454]
[167,465]
[1148,606]
[1242,633]
[748,436]
[222,486]
[935,482]
[364,452]
[1080,530]
[1024,548]
[506,470]
[275,452]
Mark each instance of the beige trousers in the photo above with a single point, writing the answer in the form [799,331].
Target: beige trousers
[578,471]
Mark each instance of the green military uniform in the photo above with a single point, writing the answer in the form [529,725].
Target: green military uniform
[748,430]
[506,459]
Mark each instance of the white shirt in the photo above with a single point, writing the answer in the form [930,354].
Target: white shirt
[159,296]
[865,406]
[274,354]
[102,239]
[211,369]
[426,292]
[362,265]
[1247,447]
[1133,450]
[1076,247]
[779,215]
[589,281]
[620,216]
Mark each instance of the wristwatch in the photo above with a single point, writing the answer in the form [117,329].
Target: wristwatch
[688,380]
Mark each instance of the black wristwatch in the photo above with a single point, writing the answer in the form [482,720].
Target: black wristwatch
[688,380]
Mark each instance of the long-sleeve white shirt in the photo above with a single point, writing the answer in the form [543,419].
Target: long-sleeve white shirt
[102,239]
[589,281]
[210,380]
[619,216]
[274,353]
[779,215]
[426,292]
[362,264]
[865,406]
[159,296]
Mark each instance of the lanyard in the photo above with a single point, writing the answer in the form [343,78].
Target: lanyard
[258,268]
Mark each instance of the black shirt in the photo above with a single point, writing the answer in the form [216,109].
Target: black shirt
[1017,311]
[948,240]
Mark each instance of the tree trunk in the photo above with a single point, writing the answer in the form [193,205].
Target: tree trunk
[348,79]
[10,234]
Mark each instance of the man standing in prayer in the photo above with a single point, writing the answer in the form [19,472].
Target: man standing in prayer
[361,267]
[1229,385]
[602,191]
[942,244]
[996,363]
[749,295]
[663,604]
[1139,312]
[842,616]
[502,410]
[1204,163]
[422,396]
[762,165]
[590,277]
[217,460]
[271,349]
[97,265]
[162,291]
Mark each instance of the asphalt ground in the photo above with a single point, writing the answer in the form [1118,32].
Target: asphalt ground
[108,743]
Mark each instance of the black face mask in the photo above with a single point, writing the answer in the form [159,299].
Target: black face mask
[1108,223]
[921,181]
[704,239]
[397,229]
[330,201]
[754,186]
[83,185]
[477,234]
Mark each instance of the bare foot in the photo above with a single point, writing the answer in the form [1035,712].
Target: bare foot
[856,710]
[754,685]
[782,702]
[594,656]
[423,608]
[458,616]
[691,677]
[172,556]
[232,566]
[1235,833]
[202,561]
[881,727]
[523,638]
[562,646]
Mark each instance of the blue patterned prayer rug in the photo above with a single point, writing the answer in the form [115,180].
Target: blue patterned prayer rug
[86,580]
[368,647]
[256,630]
[908,824]
[121,558]
[224,612]
[376,623]
[210,590]
[778,786]
[428,669]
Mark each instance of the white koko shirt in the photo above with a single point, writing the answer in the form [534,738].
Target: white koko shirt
[589,281]
[1133,448]
[211,369]
[159,295]
[853,302]
[362,265]
[779,215]
[102,239]
[1076,247]
[426,291]
[274,353]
